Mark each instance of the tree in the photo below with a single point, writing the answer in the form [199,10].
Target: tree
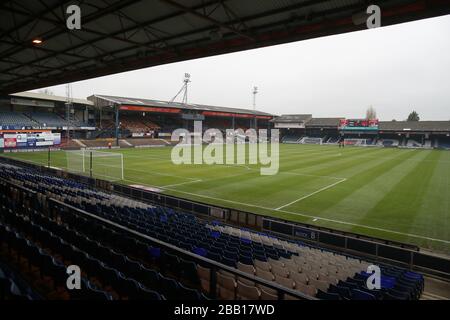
[413,116]
[371,113]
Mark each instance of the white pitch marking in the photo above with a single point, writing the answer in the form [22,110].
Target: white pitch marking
[182,183]
[311,194]
[158,173]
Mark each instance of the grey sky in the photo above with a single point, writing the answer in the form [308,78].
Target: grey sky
[395,69]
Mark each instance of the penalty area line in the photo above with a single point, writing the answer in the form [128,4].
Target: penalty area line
[311,194]
[180,184]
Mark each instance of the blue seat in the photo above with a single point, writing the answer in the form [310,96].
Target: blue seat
[246,259]
[347,285]
[146,294]
[200,251]
[169,288]
[187,294]
[154,252]
[344,292]
[214,256]
[229,262]
[95,294]
[327,296]
[362,295]
[128,288]
[149,278]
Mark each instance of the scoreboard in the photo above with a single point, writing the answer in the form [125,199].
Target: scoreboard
[359,124]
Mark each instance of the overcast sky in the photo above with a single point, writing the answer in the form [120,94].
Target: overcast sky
[395,69]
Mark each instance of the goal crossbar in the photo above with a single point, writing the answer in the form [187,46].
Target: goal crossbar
[108,165]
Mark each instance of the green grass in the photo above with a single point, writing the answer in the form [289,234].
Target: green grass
[394,194]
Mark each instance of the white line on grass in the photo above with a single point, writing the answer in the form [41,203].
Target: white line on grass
[311,194]
[181,184]
[157,173]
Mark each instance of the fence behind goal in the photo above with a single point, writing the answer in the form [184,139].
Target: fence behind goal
[106,165]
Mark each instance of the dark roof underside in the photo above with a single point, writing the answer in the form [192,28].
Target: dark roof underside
[122,35]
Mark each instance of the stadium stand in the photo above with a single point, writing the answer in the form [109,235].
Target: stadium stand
[79,123]
[119,266]
[134,125]
[16,119]
[138,124]
[221,124]
[140,142]
[443,143]
[388,142]
[103,143]
[413,143]
[37,119]
[291,139]
[48,119]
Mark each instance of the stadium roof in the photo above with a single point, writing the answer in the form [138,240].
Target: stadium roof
[103,101]
[443,126]
[49,97]
[122,35]
[324,122]
[292,118]
[308,120]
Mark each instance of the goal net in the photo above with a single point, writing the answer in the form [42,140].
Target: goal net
[75,161]
[356,142]
[105,165]
[309,140]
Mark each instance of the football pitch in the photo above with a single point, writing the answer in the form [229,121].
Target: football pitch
[396,194]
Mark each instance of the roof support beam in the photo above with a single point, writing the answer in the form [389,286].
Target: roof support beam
[226,26]
[96,15]
[134,27]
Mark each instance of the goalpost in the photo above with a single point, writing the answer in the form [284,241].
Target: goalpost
[311,140]
[107,165]
[356,142]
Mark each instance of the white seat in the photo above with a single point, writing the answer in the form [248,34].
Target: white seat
[318,284]
[300,278]
[245,292]
[266,275]
[285,282]
[263,265]
[267,296]
[280,271]
[246,268]
[306,289]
